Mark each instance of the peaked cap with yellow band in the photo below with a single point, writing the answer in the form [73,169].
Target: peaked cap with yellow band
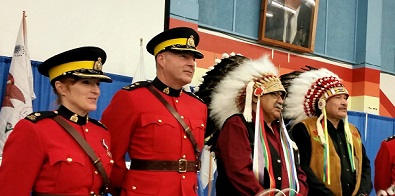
[177,39]
[83,62]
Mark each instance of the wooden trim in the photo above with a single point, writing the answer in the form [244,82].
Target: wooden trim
[262,38]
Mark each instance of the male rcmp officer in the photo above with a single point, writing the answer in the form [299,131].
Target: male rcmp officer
[384,166]
[164,154]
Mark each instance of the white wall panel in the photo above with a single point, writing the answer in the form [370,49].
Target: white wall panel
[58,25]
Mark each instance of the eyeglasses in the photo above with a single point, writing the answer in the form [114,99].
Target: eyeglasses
[278,94]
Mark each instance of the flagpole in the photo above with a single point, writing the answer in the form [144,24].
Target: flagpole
[139,74]
[17,102]
[24,28]
[209,175]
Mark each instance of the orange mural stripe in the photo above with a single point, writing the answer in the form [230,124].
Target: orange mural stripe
[180,23]
[387,104]
[365,89]
[384,111]
[220,45]
[366,74]
[208,60]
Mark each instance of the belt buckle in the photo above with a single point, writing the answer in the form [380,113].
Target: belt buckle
[182,165]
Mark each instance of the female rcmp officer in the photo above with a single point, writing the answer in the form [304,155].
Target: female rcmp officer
[40,157]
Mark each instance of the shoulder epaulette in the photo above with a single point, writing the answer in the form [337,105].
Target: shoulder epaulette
[193,95]
[37,116]
[390,138]
[96,122]
[137,85]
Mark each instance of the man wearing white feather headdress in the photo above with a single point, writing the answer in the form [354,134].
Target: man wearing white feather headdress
[255,155]
[331,151]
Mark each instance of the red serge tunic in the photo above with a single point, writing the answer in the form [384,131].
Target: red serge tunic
[384,165]
[233,151]
[141,126]
[41,156]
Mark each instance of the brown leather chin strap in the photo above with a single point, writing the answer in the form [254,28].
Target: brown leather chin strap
[88,150]
[179,119]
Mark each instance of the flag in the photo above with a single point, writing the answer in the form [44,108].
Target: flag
[139,74]
[207,171]
[18,96]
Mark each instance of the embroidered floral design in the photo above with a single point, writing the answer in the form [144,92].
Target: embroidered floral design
[315,136]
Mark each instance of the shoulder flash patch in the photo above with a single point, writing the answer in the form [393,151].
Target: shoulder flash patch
[193,95]
[390,138]
[136,85]
[96,122]
[37,116]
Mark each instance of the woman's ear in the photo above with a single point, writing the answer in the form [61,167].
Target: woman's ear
[60,88]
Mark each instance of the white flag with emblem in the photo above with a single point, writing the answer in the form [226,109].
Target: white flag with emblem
[18,95]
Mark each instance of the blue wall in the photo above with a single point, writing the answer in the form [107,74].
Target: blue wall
[359,32]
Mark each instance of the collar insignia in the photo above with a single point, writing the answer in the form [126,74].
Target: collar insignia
[166,90]
[74,118]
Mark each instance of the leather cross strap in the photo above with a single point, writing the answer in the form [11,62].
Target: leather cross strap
[50,194]
[179,119]
[87,148]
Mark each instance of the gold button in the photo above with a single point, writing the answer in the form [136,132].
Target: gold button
[160,120]
[96,172]
[185,137]
[183,177]
[202,125]
[92,192]
[182,117]
[134,188]
[112,161]
[176,101]
[87,130]
[183,156]
[69,160]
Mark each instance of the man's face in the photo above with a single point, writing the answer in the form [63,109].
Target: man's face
[178,67]
[271,104]
[336,107]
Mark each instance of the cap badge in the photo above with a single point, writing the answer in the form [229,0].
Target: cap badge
[98,65]
[166,90]
[191,41]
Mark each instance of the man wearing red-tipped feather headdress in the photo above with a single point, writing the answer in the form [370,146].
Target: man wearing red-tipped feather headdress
[331,151]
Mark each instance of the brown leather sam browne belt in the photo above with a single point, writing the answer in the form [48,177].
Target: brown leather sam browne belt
[182,165]
[50,194]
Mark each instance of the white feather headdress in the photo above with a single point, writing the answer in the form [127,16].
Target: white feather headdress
[228,97]
[306,90]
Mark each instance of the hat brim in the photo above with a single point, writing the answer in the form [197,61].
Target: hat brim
[197,53]
[102,78]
